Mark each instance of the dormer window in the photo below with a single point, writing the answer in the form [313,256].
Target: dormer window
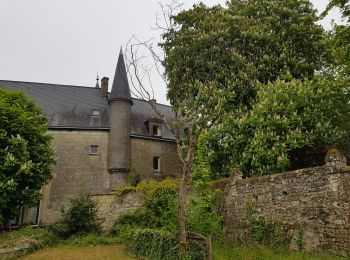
[154,126]
[95,118]
[95,113]
[156,130]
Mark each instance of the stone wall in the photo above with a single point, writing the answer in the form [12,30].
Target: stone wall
[314,200]
[76,172]
[109,206]
[142,153]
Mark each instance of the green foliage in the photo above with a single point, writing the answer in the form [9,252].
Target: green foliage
[157,220]
[267,233]
[239,51]
[160,244]
[340,44]
[132,177]
[92,240]
[147,187]
[203,214]
[79,219]
[288,122]
[300,240]
[343,5]
[155,244]
[15,238]
[25,153]
[234,47]
[224,251]
[160,207]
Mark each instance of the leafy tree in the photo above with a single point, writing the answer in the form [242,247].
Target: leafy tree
[25,153]
[340,36]
[213,59]
[343,5]
[237,46]
[287,124]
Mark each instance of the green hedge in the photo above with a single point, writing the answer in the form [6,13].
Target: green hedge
[162,245]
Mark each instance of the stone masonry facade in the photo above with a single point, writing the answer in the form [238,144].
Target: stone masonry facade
[143,151]
[78,172]
[313,200]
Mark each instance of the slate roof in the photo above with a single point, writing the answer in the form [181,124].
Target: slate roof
[73,107]
[120,87]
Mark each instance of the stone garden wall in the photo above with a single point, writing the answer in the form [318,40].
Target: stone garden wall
[314,200]
[109,206]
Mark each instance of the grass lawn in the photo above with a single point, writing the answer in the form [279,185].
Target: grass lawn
[102,247]
[85,253]
[256,252]
[27,235]
[221,252]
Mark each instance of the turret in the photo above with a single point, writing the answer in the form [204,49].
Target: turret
[119,146]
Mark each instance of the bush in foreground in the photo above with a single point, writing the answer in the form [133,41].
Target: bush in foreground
[80,219]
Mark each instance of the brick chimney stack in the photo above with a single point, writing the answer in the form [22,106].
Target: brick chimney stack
[104,86]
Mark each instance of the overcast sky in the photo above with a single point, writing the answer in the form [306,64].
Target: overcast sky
[69,41]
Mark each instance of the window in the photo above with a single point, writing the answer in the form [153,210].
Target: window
[95,113]
[154,126]
[93,149]
[95,118]
[156,164]
[156,130]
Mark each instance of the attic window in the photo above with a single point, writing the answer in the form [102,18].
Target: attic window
[95,113]
[93,149]
[95,118]
[155,130]
[154,126]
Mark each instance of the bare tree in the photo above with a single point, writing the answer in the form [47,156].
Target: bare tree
[191,115]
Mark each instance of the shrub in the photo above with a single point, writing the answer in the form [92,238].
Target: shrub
[161,244]
[92,240]
[155,244]
[159,209]
[79,219]
[202,214]
[162,209]
[152,231]
[148,187]
[132,178]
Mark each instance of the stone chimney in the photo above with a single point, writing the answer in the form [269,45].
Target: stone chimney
[104,86]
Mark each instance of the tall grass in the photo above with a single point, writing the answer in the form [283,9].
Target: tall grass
[226,251]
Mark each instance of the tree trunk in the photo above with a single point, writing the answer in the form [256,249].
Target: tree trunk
[6,220]
[182,212]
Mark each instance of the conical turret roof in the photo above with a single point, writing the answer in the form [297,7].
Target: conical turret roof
[120,87]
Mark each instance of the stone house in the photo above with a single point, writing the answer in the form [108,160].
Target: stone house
[98,137]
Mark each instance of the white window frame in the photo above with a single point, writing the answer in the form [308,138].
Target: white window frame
[91,149]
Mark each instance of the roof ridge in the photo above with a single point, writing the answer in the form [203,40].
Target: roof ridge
[65,85]
[43,83]
[139,99]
